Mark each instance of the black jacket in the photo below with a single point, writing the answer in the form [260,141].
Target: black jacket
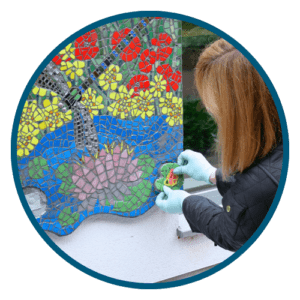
[247,198]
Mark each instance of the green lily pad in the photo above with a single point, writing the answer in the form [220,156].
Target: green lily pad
[65,218]
[139,195]
[38,167]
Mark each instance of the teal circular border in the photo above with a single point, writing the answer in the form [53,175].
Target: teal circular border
[235,255]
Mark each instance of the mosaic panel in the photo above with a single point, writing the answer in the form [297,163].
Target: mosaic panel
[101,120]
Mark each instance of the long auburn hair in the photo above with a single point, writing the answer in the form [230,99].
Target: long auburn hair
[239,100]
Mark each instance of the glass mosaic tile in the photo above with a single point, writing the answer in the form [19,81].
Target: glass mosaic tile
[100,121]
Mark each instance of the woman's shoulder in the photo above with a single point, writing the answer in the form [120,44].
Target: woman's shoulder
[261,179]
[272,162]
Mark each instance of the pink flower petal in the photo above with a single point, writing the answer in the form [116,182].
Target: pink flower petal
[113,179]
[99,186]
[100,169]
[80,183]
[110,173]
[126,175]
[102,153]
[133,177]
[135,161]
[129,158]
[108,157]
[117,149]
[87,188]
[121,170]
[79,172]
[75,178]
[90,176]
[130,168]
[116,157]
[82,196]
[109,165]
[95,182]
[90,164]
[103,177]
[124,154]
[122,162]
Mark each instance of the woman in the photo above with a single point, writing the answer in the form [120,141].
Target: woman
[250,143]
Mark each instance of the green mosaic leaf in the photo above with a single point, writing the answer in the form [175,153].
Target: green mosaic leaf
[37,166]
[134,199]
[65,218]
[139,196]
[148,165]
[64,171]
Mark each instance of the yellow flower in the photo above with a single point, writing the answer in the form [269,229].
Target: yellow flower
[26,141]
[143,105]
[67,52]
[92,103]
[172,107]
[123,104]
[110,78]
[158,86]
[37,90]
[30,115]
[53,116]
[72,68]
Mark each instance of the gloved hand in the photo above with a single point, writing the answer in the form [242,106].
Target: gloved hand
[171,201]
[195,165]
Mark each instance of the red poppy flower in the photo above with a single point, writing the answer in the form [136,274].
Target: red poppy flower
[163,53]
[165,70]
[175,79]
[147,60]
[131,51]
[138,82]
[163,40]
[85,46]
[172,78]
[57,59]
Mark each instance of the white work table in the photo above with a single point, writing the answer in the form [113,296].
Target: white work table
[144,249]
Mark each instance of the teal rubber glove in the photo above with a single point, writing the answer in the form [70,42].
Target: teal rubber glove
[171,201]
[195,165]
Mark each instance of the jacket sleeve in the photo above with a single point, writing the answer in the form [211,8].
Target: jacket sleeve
[204,216]
[223,186]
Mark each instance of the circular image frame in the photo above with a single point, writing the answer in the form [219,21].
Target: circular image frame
[235,255]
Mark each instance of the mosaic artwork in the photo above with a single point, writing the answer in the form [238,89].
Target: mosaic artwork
[101,120]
